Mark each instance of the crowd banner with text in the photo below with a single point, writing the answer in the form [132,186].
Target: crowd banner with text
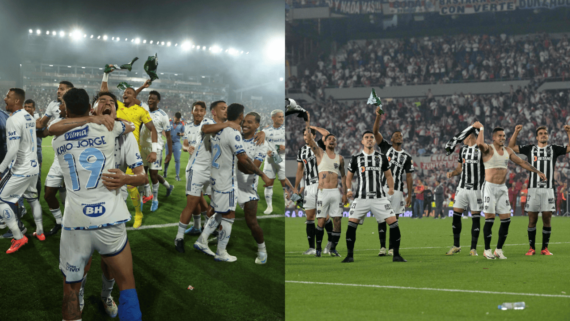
[447,7]
[392,7]
[543,4]
[355,7]
[437,161]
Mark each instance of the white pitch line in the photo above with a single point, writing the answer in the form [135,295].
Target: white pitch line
[438,247]
[144,227]
[432,289]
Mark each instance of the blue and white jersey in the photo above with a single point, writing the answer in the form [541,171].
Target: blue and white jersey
[201,158]
[161,123]
[248,182]
[52,110]
[275,136]
[84,154]
[127,153]
[21,154]
[226,144]
[176,129]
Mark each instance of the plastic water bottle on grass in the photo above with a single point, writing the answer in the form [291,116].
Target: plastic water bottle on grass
[512,306]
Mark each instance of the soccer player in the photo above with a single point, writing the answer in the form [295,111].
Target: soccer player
[247,197]
[308,174]
[226,146]
[54,178]
[30,107]
[371,166]
[275,136]
[19,169]
[495,193]
[161,123]
[131,111]
[400,162]
[472,170]
[540,193]
[329,200]
[95,216]
[176,132]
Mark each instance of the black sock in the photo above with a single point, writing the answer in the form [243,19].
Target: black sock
[475,230]
[382,234]
[503,232]
[319,234]
[488,232]
[311,233]
[329,228]
[335,238]
[395,237]
[532,237]
[351,237]
[397,216]
[546,236]
[456,226]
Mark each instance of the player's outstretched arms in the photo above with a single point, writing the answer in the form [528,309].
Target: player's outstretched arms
[524,164]
[117,179]
[214,128]
[68,124]
[104,83]
[513,141]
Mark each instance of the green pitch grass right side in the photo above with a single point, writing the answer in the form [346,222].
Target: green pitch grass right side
[424,244]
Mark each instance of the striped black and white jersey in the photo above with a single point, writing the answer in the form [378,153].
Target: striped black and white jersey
[369,170]
[543,159]
[472,174]
[400,162]
[309,160]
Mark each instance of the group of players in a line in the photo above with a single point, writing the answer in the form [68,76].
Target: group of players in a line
[380,187]
[101,153]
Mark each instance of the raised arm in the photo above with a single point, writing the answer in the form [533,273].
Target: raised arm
[104,83]
[311,141]
[321,131]
[513,141]
[524,164]
[376,127]
[343,180]
[481,138]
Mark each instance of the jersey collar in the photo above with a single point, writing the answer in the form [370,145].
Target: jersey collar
[17,111]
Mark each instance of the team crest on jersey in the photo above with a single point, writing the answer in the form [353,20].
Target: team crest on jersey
[28,117]
[77,134]
[34,163]
[237,138]
[94,210]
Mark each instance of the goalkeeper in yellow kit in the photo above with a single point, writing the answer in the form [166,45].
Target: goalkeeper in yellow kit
[131,110]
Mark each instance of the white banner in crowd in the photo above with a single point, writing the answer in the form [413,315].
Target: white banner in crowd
[447,7]
[543,4]
[391,7]
[355,7]
[436,161]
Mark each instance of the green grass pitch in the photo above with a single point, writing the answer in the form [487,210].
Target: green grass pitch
[424,244]
[32,285]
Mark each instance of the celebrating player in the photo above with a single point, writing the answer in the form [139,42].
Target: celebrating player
[540,192]
[400,162]
[495,193]
[176,132]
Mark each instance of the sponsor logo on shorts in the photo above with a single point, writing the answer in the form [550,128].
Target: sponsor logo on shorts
[486,207]
[402,203]
[71,268]
[551,201]
[387,207]
[34,163]
[479,201]
[77,134]
[6,214]
[94,210]
[507,202]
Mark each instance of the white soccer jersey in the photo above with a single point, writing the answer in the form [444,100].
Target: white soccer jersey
[127,154]
[226,144]
[84,154]
[52,110]
[161,123]
[201,158]
[248,182]
[275,136]
[21,137]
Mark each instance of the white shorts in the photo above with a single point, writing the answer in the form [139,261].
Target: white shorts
[54,177]
[244,197]
[380,208]
[77,246]
[540,200]
[468,198]
[397,201]
[124,192]
[12,187]
[223,202]
[156,165]
[310,196]
[496,199]
[270,169]
[329,202]
[197,182]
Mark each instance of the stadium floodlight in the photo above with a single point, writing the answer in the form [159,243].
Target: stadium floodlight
[247,53]
[53,33]
[30,31]
[168,44]
[105,37]
[162,73]
[75,34]
[132,40]
[144,41]
[281,79]
[185,45]
[51,65]
[175,74]
[198,47]
[241,52]
[38,32]
[113,38]
[232,51]
[91,36]
[193,46]
[137,41]
[118,38]
[203,47]
[62,34]
[100,68]
[162,43]
[84,36]
[151,42]
[68,66]
[47,32]
[82,67]
[126,39]
[215,49]
[98,37]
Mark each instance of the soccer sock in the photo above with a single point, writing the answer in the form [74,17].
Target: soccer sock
[311,233]
[10,219]
[106,287]
[351,238]
[147,191]
[225,233]
[329,229]
[503,232]
[261,247]
[382,234]
[197,220]
[181,228]
[546,236]
[475,230]
[319,235]
[135,198]
[165,184]
[269,196]
[209,228]
[532,237]
[56,214]
[488,232]
[37,212]
[395,237]
[336,237]
[62,194]
[456,226]
[129,309]
[155,191]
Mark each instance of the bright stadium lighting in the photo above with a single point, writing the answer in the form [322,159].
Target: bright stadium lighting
[162,43]
[193,46]
[100,68]
[132,40]
[84,36]
[232,51]
[62,34]
[275,50]
[162,73]
[68,66]
[47,32]
[137,41]
[91,36]
[185,46]
[51,65]
[98,37]
[247,53]
[216,49]
[198,47]
[38,32]
[175,74]
[168,44]
[113,38]
[241,52]
[151,42]
[30,31]
[144,41]
[281,79]
[84,68]
[53,33]
[105,37]
[126,39]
